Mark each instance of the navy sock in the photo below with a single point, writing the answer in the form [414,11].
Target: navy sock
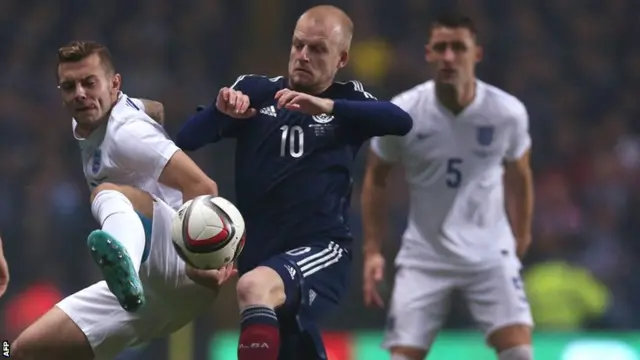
[259,334]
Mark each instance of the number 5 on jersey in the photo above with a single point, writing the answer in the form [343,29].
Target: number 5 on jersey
[454,174]
[292,139]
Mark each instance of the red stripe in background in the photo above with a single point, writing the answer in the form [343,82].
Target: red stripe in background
[338,346]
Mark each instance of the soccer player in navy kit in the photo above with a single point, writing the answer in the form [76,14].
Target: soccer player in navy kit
[297,138]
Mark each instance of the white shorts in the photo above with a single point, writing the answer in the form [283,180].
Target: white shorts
[421,298]
[172,299]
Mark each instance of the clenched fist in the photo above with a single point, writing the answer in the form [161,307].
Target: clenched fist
[234,103]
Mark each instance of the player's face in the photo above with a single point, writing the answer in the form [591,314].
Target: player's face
[316,55]
[88,89]
[453,54]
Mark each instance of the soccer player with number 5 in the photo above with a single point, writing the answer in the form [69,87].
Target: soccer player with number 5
[467,136]
[297,138]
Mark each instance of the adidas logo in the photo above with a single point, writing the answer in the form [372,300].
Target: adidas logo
[312,296]
[269,111]
[291,271]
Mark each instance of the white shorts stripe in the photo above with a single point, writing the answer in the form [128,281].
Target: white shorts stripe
[316,255]
[318,261]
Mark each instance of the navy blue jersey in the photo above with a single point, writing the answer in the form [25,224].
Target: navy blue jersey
[294,171]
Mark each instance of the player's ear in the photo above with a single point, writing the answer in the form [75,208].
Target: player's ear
[344,59]
[116,82]
[479,53]
[427,53]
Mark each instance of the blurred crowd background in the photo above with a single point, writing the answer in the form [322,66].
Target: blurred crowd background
[574,63]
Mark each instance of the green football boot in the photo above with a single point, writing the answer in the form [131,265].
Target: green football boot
[117,269]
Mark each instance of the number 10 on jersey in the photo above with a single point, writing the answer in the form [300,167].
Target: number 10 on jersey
[292,141]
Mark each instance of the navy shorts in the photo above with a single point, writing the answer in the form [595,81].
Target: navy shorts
[315,279]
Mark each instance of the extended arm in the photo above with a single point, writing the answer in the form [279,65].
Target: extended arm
[183,174]
[220,120]
[377,118]
[204,127]
[384,152]
[518,178]
[374,203]
[519,200]
[145,148]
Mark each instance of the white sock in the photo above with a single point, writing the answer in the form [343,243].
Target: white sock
[399,357]
[118,218]
[522,352]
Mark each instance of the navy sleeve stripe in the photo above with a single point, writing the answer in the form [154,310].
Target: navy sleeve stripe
[233,86]
[357,86]
[242,77]
[132,104]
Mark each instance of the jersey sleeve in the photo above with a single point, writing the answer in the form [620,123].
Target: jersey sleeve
[142,147]
[138,103]
[256,87]
[358,92]
[389,148]
[519,138]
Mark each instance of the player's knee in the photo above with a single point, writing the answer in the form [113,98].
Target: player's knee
[510,337]
[25,348]
[52,337]
[102,187]
[261,286]
[31,349]
[407,353]
[18,351]
[141,201]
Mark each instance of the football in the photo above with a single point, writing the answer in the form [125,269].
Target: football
[208,232]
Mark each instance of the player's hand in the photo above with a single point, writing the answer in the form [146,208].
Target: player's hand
[304,103]
[522,245]
[373,275]
[234,103]
[211,279]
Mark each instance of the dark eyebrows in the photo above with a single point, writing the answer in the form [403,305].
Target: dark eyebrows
[89,77]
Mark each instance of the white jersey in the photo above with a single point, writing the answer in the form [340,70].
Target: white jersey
[454,169]
[130,149]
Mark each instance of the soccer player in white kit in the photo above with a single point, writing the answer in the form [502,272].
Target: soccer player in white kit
[137,177]
[467,135]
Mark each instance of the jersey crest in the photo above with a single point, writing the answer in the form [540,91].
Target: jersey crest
[322,118]
[484,135]
[96,161]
